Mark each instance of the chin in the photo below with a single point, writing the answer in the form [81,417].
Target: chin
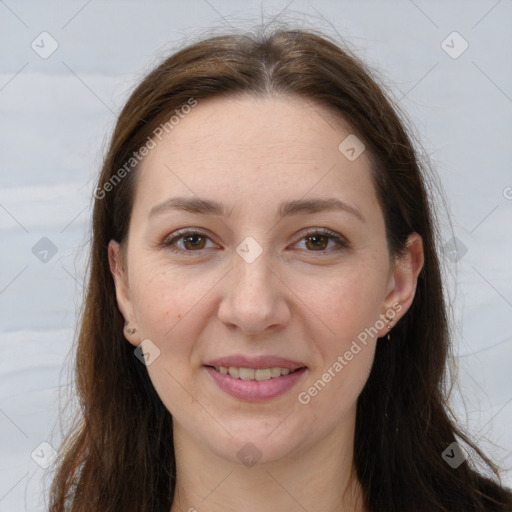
[255,441]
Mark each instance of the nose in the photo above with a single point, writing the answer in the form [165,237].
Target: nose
[254,297]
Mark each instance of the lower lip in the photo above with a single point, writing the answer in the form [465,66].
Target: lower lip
[255,390]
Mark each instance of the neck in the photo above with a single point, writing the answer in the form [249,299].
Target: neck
[319,478]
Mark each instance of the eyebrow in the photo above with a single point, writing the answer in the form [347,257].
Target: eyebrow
[202,206]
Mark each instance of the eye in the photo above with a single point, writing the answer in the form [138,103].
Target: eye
[186,240]
[319,240]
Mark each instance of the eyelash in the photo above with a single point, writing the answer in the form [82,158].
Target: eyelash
[339,241]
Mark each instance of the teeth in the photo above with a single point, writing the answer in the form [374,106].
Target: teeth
[252,374]
[246,373]
[262,374]
[275,372]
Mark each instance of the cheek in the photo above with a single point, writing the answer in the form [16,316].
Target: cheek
[346,301]
[345,345]
[168,306]
[348,307]
[335,390]
[164,297]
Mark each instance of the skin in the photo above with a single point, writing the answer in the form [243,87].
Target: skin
[250,154]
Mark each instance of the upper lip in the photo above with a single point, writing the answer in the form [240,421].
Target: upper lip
[241,361]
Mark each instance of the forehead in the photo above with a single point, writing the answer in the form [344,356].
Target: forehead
[262,148]
[266,126]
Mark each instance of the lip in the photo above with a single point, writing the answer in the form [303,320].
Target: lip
[241,361]
[254,390]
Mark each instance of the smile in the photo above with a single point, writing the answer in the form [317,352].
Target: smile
[254,384]
[253,373]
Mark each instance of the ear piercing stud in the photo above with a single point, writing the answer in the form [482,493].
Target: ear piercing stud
[389,327]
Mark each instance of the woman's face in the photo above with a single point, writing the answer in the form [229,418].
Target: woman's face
[255,236]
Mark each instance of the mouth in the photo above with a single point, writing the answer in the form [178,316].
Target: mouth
[258,374]
[258,384]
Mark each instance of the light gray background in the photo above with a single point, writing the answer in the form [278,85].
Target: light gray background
[56,113]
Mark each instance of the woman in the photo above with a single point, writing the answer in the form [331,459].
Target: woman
[264,326]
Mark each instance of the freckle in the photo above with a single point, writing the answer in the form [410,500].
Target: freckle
[179,316]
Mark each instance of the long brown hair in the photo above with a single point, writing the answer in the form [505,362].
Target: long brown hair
[119,455]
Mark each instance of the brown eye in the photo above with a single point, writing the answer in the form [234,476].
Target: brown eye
[195,241]
[318,242]
[323,241]
[188,241]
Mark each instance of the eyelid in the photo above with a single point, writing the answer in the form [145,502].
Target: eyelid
[181,233]
[339,240]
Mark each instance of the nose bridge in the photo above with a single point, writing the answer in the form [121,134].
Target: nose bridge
[253,298]
[252,278]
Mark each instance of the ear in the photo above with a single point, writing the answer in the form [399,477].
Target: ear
[120,275]
[402,282]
